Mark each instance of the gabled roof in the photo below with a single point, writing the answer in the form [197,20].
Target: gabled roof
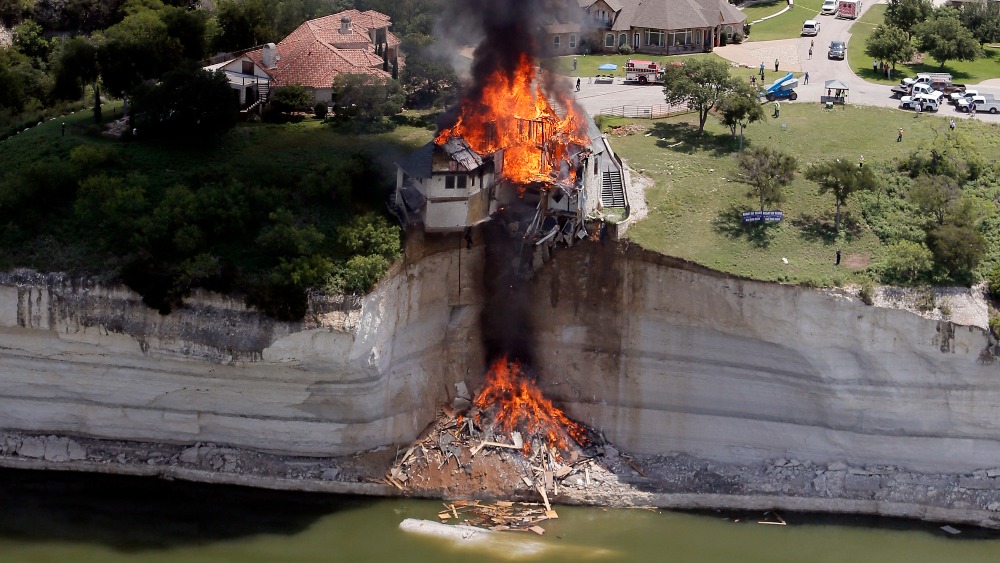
[316,52]
[615,5]
[676,14]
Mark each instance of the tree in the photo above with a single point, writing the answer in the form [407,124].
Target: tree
[189,28]
[11,11]
[957,248]
[139,48]
[982,18]
[890,44]
[766,171]
[75,65]
[29,40]
[242,24]
[842,178]
[427,80]
[701,83]
[366,97]
[934,195]
[906,261]
[188,102]
[294,97]
[739,108]
[906,14]
[946,39]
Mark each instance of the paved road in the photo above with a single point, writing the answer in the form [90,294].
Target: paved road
[793,55]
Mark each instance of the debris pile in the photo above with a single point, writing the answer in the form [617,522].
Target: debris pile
[501,515]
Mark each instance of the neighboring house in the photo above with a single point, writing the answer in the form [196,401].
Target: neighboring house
[663,27]
[449,187]
[323,48]
[249,81]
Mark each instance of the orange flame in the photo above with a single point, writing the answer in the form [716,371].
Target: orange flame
[515,116]
[521,406]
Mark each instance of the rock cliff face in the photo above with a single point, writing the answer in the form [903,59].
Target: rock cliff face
[657,354]
[81,359]
[662,356]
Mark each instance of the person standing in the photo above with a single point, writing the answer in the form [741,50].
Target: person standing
[807,78]
[810,52]
[875,67]
[762,71]
[775,65]
[951,124]
[577,84]
[899,137]
[574,63]
[777,108]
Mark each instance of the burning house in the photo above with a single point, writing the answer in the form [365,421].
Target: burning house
[519,152]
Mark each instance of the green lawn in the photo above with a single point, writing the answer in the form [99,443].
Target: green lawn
[695,203]
[971,72]
[785,26]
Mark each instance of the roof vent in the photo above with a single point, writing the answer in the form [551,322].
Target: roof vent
[345,25]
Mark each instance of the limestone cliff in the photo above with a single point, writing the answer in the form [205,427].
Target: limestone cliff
[83,359]
[664,356]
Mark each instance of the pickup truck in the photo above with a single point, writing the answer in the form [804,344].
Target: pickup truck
[954,97]
[917,87]
[983,104]
[928,102]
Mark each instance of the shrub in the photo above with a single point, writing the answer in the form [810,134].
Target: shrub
[360,273]
[625,50]
[867,293]
[995,324]
[737,38]
[286,99]
[926,300]
[993,282]
[320,110]
[907,261]
[723,40]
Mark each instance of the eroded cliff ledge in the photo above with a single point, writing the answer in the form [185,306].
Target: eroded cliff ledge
[717,382]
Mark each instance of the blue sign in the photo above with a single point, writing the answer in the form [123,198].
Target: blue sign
[766,216]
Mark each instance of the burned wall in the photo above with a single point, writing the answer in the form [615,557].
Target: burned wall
[663,356]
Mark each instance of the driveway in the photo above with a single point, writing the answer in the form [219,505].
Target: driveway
[792,55]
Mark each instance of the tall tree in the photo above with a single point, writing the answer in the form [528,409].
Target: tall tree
[365,97]
[766,171]
[890,44]
[242,24]
[982,18]
[189,28]
[137,49]
[29,40]
[842,178]
[945,38]
[701,83]
[188,102]
[11,11]
[906,14]
[739,108]
[934,194]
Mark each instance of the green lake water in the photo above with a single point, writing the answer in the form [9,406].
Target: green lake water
[63,517]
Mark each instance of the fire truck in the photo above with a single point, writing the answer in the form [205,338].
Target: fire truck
[643,72]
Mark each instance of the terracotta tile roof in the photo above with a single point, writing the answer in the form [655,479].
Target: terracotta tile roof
[317,51]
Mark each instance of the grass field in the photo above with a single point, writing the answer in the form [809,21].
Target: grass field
[972,72]
[694,202]
[785,26]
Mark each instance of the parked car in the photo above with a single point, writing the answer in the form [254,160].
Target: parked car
[837,50]
[829,7]
[984,103]
[928,102]
[811,27]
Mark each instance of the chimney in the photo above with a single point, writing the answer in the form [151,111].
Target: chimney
[270,55]
[345,25]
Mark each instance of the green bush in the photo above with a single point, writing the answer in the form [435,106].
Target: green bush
[320,110]
[360,273]
[294,97]
[867,293]
[995,324]
[993,283]
[906,262]
[625,50]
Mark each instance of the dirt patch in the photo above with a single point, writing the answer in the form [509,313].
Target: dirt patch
[626,130]
[855,261]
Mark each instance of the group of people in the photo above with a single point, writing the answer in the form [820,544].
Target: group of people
[882,66]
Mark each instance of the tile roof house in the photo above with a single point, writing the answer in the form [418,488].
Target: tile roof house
[320,49]
[664,27]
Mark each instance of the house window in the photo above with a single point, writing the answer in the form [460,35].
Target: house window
[449,182]
[462,182]
[677,38]
[572,41]
[247,67]
[609,40]
[622,39]
[728,31]
[635,41]
[654,38]
[555,41]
